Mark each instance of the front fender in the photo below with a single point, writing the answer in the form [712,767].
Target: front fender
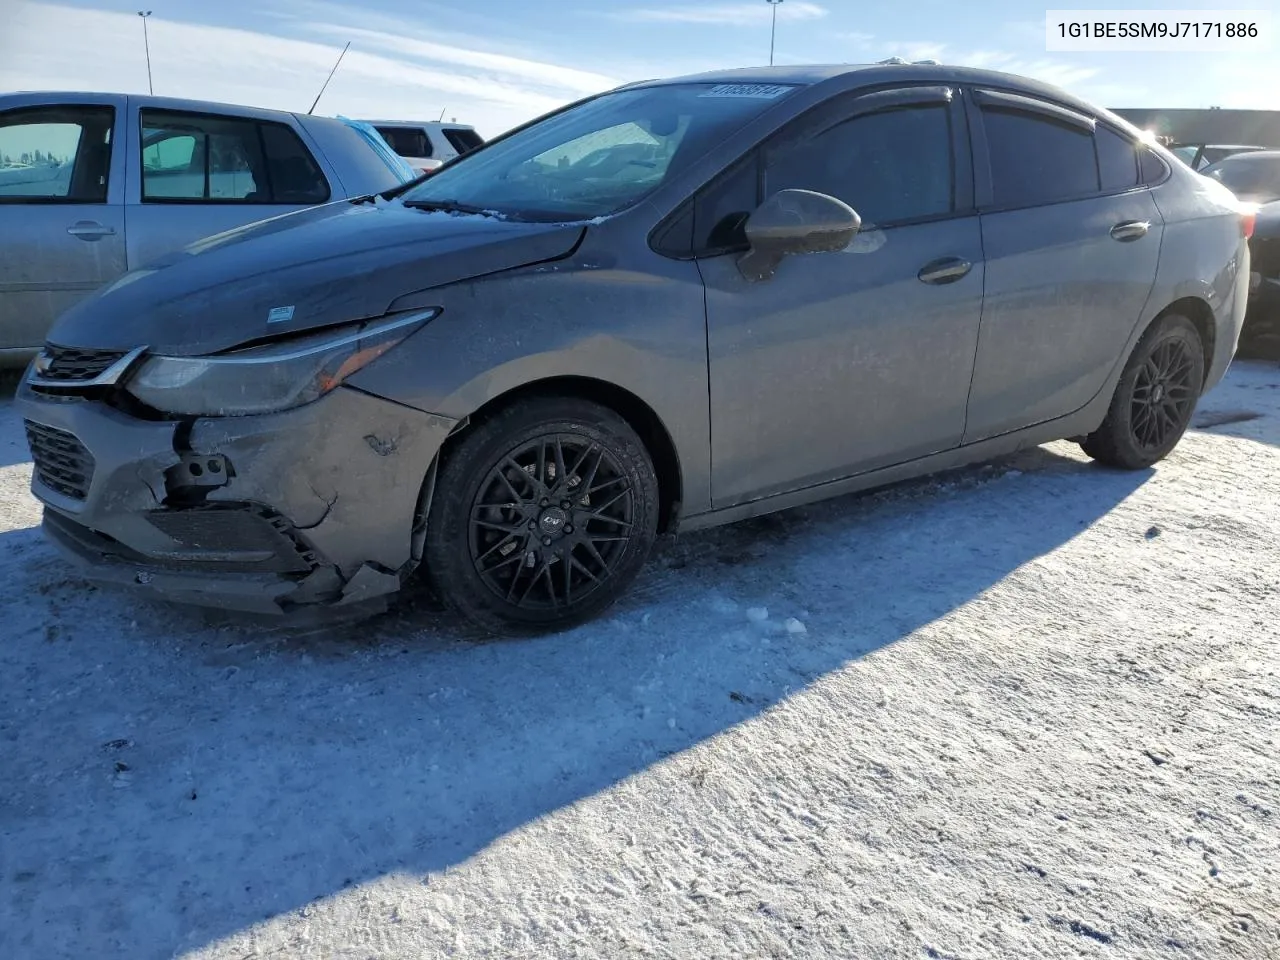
[644,332]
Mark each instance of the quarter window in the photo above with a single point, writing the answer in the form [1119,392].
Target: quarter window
[1117,161]
[464,141]
[891,166]
[1152,167]
[295,177]
[407,142]
[1036,159]
[56,154]
[208,159]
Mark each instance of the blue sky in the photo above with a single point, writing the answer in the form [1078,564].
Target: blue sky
[495,63]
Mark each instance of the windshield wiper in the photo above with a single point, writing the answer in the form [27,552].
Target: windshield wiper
[452,206]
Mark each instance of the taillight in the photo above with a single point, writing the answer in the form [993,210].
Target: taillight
[1246,223]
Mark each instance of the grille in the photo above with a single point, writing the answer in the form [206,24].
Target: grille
[71,364]
[249,537]
[214,527]
[62,463]
[1264,256]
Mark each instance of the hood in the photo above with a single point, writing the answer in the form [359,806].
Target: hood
[331,264]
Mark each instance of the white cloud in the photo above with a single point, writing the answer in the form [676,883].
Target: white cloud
[105,52]
[1066,75]
[546,75]
[725,14]
[1058,72]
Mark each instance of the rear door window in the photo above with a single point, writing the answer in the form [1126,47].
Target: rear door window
[56,154]
[1036,159]
[214,159]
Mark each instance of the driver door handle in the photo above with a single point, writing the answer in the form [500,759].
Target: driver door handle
[945,270]
[90,230]
[1130,230]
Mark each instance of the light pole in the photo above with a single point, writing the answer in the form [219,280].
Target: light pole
[773,28]
[146,42]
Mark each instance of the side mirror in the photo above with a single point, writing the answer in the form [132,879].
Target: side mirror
[795,221]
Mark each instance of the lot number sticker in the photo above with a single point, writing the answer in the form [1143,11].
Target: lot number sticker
[760,91]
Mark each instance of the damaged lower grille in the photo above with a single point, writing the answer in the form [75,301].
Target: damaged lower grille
[72,364]
[245,535]
[62,462]
[223,539]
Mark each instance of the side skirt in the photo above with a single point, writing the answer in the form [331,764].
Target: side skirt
[1078,424]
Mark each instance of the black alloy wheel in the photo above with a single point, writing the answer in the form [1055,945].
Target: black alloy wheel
[1154,399]
[542,515]
[550,520]
[1163,394]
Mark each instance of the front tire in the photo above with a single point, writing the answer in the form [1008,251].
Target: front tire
[1155,398]
[542,515]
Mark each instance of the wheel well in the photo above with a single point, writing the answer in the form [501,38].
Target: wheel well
[623,402]
[1201,316]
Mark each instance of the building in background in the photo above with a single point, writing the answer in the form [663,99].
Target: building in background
[1202,137]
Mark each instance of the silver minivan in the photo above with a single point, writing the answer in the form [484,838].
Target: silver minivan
[94,184]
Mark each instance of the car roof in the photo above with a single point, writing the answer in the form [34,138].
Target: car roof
[870,73]
[873,74]
[804,74]
[446,124]
[172,103]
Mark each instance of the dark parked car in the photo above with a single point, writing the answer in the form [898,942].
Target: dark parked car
[1200,155]
[1261,335]
[1255,178]
[515,374]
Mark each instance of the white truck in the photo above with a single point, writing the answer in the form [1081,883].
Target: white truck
[428,144]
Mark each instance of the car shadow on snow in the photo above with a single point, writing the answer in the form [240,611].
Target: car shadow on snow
[193,781]
[1240,421]
[1243,405]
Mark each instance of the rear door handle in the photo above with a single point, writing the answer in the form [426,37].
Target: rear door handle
[90,230]
[945,270]
[1130,230]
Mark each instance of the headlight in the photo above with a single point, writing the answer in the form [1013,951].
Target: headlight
[271,377]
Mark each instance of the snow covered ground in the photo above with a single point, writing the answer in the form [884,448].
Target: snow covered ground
[1025,711]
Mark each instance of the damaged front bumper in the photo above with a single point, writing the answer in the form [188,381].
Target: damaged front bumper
[322,505]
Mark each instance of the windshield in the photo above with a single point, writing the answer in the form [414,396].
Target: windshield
[1249,176]
[599,157]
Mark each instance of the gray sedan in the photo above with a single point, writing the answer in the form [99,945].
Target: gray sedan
[672,305]
[92,184]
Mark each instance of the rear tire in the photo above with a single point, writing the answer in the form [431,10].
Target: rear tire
[542,515]
[1155,398]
